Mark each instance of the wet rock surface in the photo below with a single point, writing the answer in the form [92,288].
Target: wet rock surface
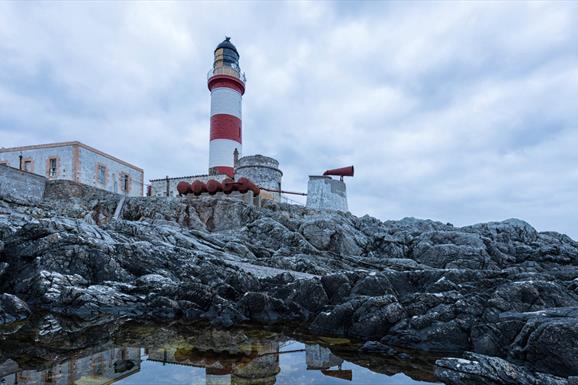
[499,289]
[476,369]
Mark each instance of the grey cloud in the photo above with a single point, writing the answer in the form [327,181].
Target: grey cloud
[461,112]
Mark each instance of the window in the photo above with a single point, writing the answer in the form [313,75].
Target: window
[52,164]
[101,174]
[28,165]
[124,183]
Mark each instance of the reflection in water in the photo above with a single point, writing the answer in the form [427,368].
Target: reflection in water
[105,367]
[199,356]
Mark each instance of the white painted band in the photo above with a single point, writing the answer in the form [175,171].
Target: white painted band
[226,101]
[221,152]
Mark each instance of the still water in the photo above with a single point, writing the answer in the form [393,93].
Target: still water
[197,356]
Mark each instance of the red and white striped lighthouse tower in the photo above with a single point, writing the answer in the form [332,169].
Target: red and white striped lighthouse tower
[227,85]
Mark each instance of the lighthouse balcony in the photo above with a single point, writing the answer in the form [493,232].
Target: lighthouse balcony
[229,71]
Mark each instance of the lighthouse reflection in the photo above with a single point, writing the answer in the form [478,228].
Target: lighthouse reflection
[227,358]
[204,357]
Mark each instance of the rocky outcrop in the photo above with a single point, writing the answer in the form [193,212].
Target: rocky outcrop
[476,369]
[500,289]
[12,309]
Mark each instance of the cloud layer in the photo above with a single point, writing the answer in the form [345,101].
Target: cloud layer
[460,112]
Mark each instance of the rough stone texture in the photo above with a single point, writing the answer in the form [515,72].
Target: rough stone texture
[66,189]
[477,369]
[21,186]
[263,171]
[500,289]
[12,309]
[326,193]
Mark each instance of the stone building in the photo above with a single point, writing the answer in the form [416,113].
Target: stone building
[326,193]
[77,162]
[264,172]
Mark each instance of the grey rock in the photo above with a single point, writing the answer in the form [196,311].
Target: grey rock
[375,316]
[12,309]
[500,288]
[476,369]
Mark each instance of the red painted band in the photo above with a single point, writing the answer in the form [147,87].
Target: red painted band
[229,171]
[225,126]
[226,81]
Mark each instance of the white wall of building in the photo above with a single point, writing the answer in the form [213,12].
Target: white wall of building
[40,160]
[114,170]
[77,162]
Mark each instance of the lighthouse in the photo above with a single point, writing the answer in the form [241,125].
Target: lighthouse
[227,85]
[226,82]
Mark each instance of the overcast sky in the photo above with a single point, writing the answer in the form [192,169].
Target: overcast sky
[459,112]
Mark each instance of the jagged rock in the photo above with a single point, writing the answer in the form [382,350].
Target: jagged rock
[12,309]
[375,316]
[337,287]
[96,300]
[372,285]
[548,338]
[476,369]
[337,321]
[531,295]
[262,308]
[159,306]
[155,283]
[499,288]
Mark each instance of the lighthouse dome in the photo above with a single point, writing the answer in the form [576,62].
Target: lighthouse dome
[228,45]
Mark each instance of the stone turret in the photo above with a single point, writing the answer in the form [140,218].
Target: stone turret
[264,172]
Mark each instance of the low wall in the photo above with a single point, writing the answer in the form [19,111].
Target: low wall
[21,186]
[66,189]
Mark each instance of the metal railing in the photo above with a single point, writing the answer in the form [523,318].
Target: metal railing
[226,70]
[286,199]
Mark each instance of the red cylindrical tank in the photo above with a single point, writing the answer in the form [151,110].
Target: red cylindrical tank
[198,187]
[228,185]
[344,171]
[183,188]
[214,187]
[243,185]
[256,191]
[254,188]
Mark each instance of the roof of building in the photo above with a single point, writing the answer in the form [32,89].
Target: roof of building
[227,44]
[66,144]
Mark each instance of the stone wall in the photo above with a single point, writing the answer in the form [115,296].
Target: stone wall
[66,189]
[326,193]
[263,171]
[21,186]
